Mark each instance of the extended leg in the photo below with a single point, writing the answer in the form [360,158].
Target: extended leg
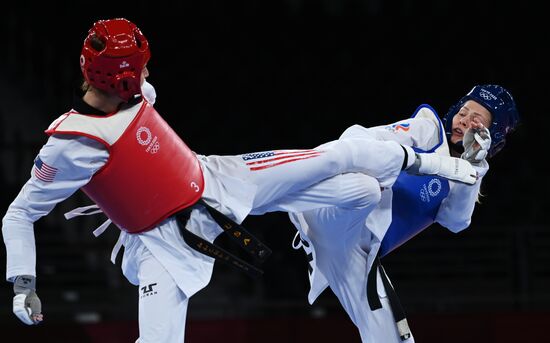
[288,172]
[282,172]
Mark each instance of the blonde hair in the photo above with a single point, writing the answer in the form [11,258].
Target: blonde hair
[479,196]
[98,45]
[85,86]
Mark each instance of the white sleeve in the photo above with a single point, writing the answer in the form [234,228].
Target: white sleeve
[455,212]
[415,132]
[63,165]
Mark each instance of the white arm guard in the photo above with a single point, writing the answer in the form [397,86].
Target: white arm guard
[451,168]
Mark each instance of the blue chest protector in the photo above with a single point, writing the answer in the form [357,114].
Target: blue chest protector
[416,200]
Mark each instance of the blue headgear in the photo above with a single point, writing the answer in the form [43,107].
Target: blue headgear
[502,106]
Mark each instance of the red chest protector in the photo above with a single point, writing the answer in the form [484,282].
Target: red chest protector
[151,173]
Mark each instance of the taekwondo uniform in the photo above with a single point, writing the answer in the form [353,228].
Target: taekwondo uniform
[343,245]
[127,162]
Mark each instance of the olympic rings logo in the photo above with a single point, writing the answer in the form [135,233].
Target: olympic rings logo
[155,148]
[485,94]
[145,137]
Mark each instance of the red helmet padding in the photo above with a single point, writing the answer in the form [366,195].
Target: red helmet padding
[117,68]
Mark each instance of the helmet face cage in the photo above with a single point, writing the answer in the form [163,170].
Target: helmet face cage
[113,57]
[502,106]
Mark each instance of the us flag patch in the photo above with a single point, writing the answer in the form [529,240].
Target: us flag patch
[268,159]
[44,172]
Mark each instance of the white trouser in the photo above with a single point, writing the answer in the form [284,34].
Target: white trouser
[162,305]
[381,160]
[344,254]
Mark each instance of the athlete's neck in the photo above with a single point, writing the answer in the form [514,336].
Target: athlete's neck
[103,102]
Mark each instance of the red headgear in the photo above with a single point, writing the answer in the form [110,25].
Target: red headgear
[116,68]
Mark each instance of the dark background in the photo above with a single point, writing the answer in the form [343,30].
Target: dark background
[236,77]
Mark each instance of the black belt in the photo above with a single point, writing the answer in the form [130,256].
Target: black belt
[396,307]
[236,232]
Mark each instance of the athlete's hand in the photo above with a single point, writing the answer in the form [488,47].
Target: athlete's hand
[476,142]
[26,304]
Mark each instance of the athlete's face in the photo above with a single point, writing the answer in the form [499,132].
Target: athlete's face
[470,115]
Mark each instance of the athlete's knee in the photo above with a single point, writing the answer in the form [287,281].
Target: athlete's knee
[365,191]
[370,187]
